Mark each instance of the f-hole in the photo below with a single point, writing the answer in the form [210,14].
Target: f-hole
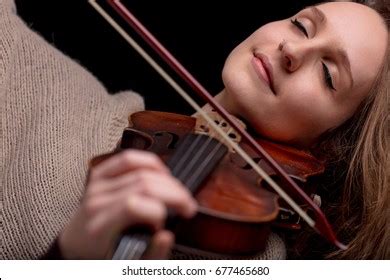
[173,138]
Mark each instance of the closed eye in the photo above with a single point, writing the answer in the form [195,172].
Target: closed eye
[327,76]
[300,26]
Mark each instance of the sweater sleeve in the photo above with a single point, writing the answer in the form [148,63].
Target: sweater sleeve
[6,38]
[55,116]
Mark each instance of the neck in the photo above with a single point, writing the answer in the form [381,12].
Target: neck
[234,110]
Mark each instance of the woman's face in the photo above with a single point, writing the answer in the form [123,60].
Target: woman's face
[294,79]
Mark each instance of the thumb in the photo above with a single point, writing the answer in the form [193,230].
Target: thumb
[160,246]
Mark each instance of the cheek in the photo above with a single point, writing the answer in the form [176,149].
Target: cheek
[237,76]
[233,73]
[304,100]
[301,113]
[308,107]
[271,33]
[265,39]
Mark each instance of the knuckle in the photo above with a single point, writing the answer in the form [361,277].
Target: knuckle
[144,179]
[132,204]
[147,189]
[94,187]
[91,230]
[91,207]
[143,175]
[126,157]
[132,158]
[153,158]
[93,174]
[158,212]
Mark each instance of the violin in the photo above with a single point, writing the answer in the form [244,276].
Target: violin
[236,209]
[232,175]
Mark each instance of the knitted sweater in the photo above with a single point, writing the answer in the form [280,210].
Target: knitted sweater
[55,116]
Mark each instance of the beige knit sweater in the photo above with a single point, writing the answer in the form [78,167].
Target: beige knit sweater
[55,116]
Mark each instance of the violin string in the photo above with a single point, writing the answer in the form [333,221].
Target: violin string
[205,162]
[190,101]
[193,162]
[196,158]
[131,247]
[179,165]
[182,171]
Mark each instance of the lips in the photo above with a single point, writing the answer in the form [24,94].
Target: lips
[263,69]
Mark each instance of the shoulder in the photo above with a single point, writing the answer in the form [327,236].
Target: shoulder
[7,31]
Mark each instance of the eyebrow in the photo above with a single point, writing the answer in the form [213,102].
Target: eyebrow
[341,53]
[320,16]
[346,63]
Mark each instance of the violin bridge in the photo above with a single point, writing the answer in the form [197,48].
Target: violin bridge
[203,127]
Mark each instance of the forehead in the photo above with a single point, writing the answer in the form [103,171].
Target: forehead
[362,33]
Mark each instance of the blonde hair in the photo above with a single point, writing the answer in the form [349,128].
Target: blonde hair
[365,211]
[369,171]
[360,208]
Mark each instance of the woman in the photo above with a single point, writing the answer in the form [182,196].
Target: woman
[322,81]
[312,73]
[342,111]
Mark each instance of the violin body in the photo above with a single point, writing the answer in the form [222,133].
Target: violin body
[236,209]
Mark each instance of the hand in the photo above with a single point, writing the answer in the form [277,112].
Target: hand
[132,187]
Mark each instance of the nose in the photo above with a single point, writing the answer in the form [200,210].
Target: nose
[293,54]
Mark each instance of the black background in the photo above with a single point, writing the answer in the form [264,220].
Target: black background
[200,34]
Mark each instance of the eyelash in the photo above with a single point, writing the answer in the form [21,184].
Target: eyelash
[300,26]
[327,75]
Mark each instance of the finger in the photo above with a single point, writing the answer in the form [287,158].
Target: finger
[126,161]
[163,187]
[127,180]
[160,246]
[121,214]
[170,191]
